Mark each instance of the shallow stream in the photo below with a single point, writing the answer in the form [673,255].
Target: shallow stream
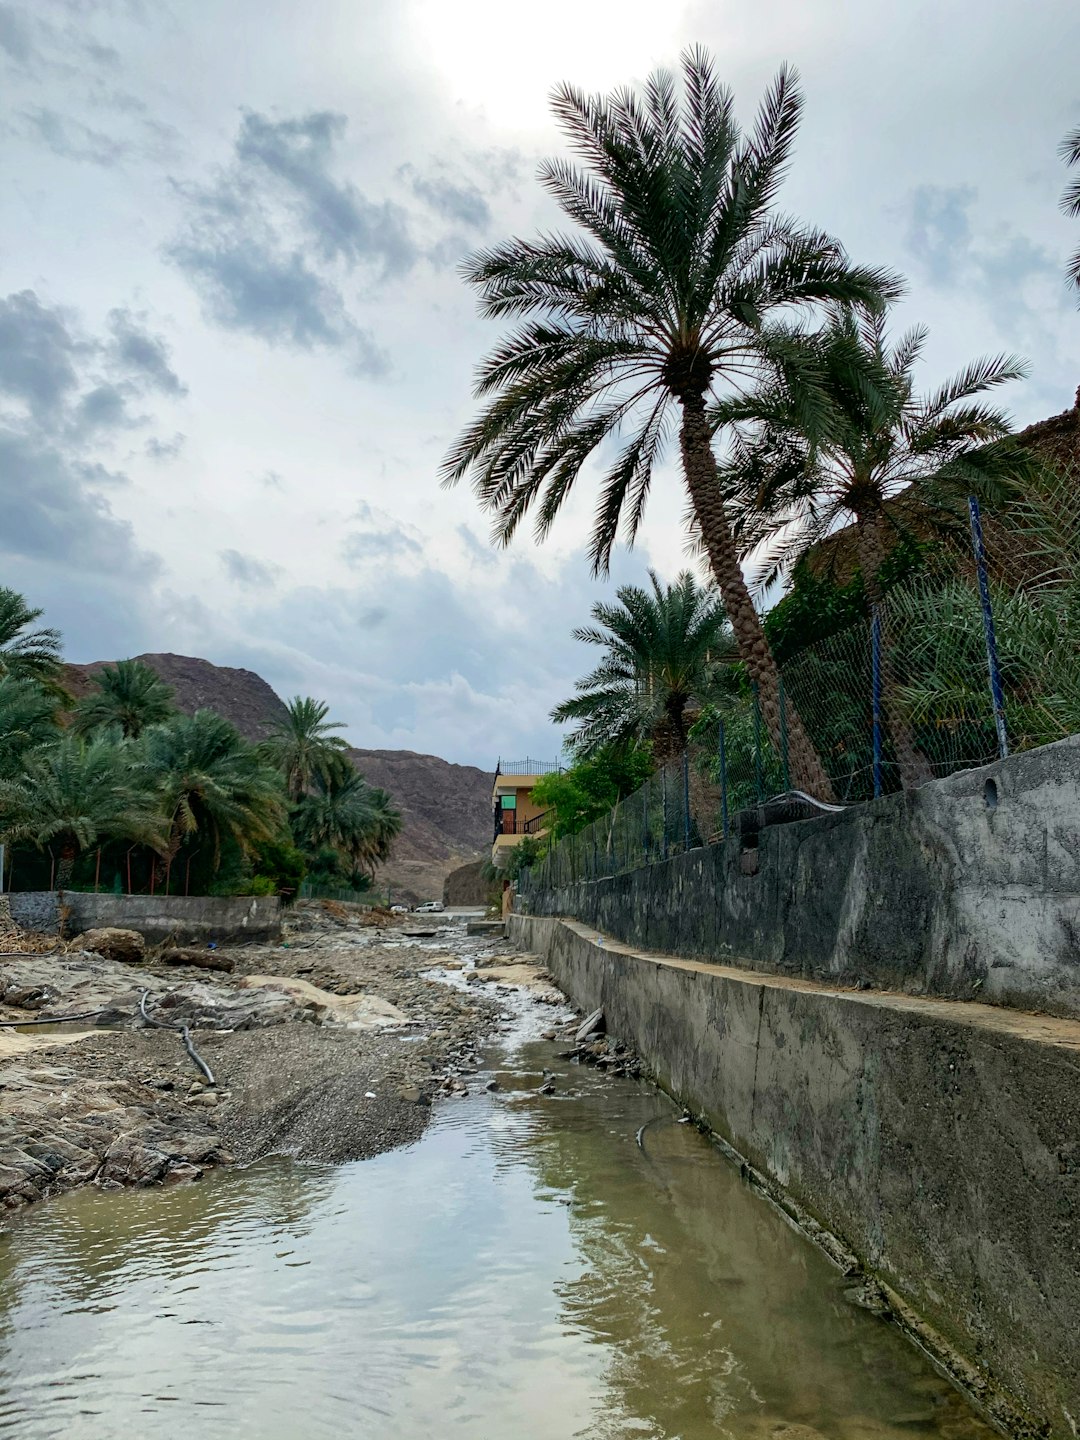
[538,1267]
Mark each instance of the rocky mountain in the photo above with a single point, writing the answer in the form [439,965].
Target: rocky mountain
[446,808]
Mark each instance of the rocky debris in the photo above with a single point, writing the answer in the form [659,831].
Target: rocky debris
[356,1012]
[199,958]
[14,940]
[111,943]
[592,1025]
[61,1128]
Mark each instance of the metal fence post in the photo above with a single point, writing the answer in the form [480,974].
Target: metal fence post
[645,832]
[875,694]
[663,811]
[997,694]
[686,798]
[723,781]
[759,784]
[784,767]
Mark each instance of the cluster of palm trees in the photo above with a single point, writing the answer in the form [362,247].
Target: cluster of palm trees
[123,770]
[683,305]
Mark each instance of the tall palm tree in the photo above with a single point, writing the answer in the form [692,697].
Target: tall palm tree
[873,438]
[349,816]
[209,781]
[24,652]
[1070,201]
[665,652]
[302,747]
[666,292]
[77,793]
[28,719]
[129,695]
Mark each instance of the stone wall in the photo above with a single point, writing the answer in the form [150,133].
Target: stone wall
[195,918]
[940,1141]
[466,885]
[968,887]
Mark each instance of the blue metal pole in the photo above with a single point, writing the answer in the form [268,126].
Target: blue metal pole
[997,693]
[875,687]
[686,798]
[723,781]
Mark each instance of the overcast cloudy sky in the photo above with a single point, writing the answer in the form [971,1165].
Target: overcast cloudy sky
[234,347]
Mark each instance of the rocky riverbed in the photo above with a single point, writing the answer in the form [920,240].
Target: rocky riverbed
[333,1045]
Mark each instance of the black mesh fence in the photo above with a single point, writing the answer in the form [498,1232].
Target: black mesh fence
[976,657]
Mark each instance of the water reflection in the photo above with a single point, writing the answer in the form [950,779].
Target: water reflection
[529,1271]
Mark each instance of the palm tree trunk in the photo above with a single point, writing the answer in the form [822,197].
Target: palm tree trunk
[703,483]
[914,767]
[66,868]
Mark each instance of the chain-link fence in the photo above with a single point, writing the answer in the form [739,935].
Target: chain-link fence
[975,656]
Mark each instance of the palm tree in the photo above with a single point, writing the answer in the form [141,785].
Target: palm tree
[1070,201]
[349,816]
[211,782]
[665,652]
[78,793]
[302,747]
[666,291]
[129,696]
[28,719]
[26,653]
[873,438]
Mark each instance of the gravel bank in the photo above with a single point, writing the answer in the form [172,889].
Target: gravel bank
[320,1073]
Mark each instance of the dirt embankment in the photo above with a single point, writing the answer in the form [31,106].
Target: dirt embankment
[332,1046]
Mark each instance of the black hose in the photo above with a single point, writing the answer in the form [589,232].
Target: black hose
[56,1019]
[182,1031]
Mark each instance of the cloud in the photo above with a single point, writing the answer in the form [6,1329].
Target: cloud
[15,39]
[461,202]
[382,539]
[38,353]
[248,572]
[52,511]
[993,264]
[271,239]
[72,140]
[158,449]
[272,480]
[142,355]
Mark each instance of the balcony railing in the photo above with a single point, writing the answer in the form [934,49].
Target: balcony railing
[537,823]
[507,823]
[528,767]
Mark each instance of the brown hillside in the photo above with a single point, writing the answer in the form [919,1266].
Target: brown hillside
[446,808]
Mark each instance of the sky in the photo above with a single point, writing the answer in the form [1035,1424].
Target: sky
[235,344]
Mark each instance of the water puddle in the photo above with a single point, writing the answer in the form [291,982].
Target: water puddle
[538,1267]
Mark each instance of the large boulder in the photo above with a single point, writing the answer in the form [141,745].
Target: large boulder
[191,955]
[112,943]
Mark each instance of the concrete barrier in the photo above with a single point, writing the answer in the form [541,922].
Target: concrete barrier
[226,919]
[967,887]
[940,1141]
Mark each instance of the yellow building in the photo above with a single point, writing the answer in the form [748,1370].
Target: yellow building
[515,813]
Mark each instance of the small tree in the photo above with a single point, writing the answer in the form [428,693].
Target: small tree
[26,653]
[128,695]
[76,793]
[303,748]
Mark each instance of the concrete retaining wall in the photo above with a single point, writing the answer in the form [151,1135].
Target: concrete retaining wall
[194,918]
[940,1141]
[967,887]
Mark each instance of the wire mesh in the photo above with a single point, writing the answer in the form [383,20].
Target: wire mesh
[916,697]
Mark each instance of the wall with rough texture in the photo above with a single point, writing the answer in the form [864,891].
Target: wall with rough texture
[940,1141]
[967,887]
[224,919]
[466,885]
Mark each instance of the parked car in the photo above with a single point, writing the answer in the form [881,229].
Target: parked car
[429,907]
[399,909]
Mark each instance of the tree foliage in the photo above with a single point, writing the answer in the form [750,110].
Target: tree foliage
[665,654]
[129,695]
[581,794]
[302,746]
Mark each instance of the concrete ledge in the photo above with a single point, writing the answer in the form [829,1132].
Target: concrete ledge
[226,919]
[939,1141]
[968,887]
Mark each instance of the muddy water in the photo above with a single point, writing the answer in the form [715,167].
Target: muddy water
[531,1270]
